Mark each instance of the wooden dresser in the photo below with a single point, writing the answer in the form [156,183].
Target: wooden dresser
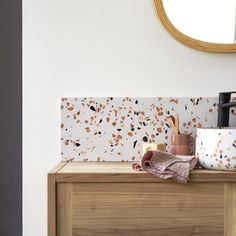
[109,198]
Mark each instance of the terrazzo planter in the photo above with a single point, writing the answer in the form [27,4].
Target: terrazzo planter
[216,148]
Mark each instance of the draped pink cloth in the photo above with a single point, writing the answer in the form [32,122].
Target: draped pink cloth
[166,166]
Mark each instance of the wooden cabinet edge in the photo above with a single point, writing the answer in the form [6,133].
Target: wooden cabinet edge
[52,204]
[58,167]
[52,198]
[64,209]
[135,177]
[230,209]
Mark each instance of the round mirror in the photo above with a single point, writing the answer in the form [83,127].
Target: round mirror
[208,25]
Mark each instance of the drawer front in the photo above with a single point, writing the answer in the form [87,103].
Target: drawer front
[163,209]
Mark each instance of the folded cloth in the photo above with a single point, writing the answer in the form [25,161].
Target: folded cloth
[165,166]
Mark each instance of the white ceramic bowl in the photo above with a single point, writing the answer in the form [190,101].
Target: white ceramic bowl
[216,148]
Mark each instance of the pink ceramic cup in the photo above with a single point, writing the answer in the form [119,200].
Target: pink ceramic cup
[180,144]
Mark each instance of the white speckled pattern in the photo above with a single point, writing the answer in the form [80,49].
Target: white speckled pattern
[216,148]
[113,129]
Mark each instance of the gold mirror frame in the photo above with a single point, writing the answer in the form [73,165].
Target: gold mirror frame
[188,41]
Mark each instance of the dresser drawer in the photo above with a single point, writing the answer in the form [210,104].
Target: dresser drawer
[139,209]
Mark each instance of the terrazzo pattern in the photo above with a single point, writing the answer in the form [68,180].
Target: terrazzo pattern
[216,148]
[114,129]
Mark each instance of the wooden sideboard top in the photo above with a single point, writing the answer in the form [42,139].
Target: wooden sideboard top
[122,172]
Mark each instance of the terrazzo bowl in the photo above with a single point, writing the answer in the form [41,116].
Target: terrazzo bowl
[216,148]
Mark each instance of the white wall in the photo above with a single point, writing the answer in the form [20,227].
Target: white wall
[98,48]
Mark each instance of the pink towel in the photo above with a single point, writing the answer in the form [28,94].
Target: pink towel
[165,166]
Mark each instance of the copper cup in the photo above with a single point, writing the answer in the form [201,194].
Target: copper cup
[180,144]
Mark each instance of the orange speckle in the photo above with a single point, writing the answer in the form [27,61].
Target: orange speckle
[130,133]
[174,101]
[199,125]
[87,129]
[159,129]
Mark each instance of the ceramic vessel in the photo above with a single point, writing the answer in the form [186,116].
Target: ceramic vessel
[180,144]
[216,148]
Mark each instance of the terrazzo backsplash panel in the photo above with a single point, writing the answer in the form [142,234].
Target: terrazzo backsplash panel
[114,128]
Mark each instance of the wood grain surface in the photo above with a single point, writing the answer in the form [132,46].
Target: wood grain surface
[52,198]
[109,198]
[140,209]
[122,172]
[64,209]
[230,210]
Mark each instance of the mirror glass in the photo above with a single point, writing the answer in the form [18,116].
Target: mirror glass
[206,20]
